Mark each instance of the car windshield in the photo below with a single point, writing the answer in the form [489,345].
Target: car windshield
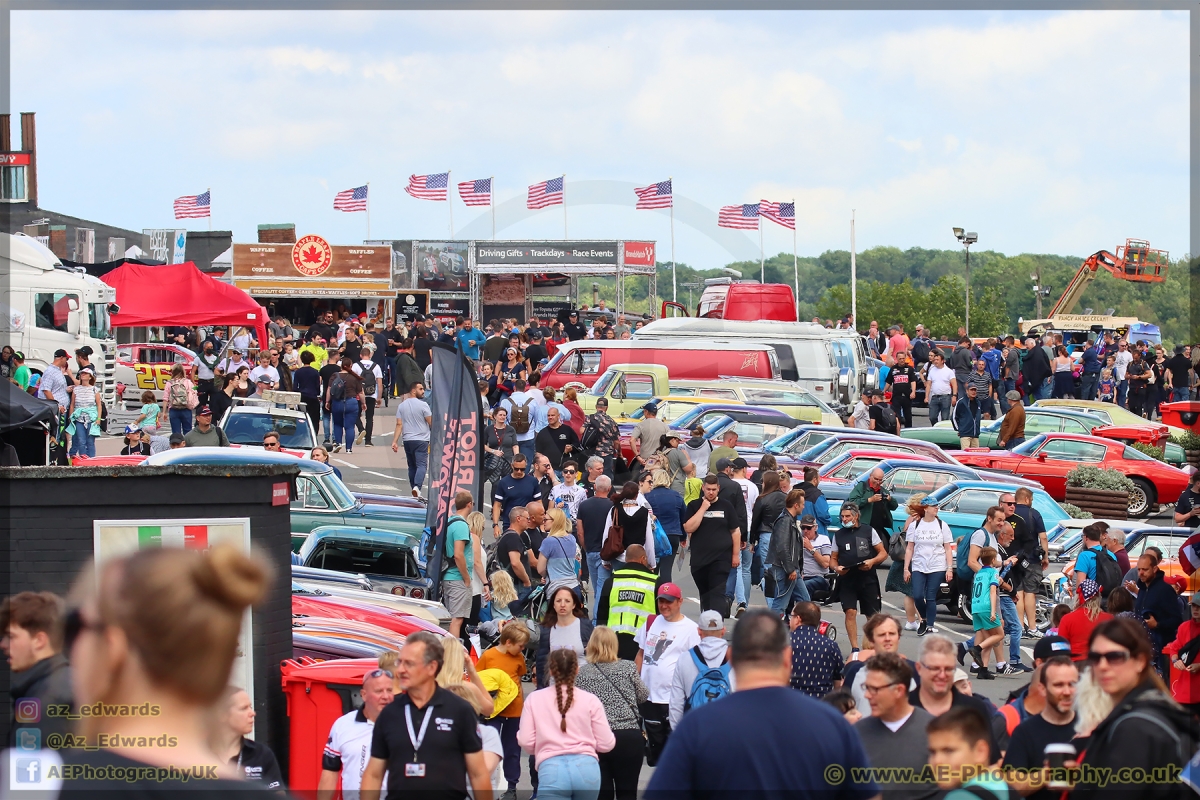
[342,499]
[99,322]
[249,429]
[1130,454]
[1030,447]
[601,385]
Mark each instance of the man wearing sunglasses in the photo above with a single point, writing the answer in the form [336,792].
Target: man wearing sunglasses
[40,674]
[349,746]
[937,695]
[271,441]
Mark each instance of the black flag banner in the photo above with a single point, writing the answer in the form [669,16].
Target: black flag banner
[455,450]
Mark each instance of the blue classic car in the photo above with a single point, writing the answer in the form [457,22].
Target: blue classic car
[905,478]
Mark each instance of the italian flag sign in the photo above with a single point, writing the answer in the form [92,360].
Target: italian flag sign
[191,537]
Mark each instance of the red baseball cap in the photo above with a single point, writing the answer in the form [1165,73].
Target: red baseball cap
[1177,581]
[670,591]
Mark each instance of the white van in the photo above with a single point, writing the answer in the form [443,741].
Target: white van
[832,364]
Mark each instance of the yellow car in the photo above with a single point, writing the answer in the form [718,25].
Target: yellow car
[1111,413]
[673,407]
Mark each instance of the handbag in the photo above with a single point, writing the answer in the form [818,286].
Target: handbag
[633,706]
[898,547]
[614,545]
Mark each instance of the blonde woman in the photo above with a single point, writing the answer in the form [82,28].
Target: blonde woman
[619,687]
[479,580]
[459,670]
[927,559]
[504,593]
[558,557]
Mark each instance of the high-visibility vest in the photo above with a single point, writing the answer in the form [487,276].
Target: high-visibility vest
[630,600]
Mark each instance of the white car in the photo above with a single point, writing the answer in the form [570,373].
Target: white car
[247,421]
[1064,539]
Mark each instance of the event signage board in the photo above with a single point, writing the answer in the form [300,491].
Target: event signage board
[410,303]
[443,266]
[312,267]
[167,245]
[639,254]
[447,308]
[547,252]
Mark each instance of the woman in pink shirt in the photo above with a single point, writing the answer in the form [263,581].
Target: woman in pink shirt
[565,727]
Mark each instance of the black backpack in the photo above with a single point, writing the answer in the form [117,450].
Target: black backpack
[1108,573]
[370,385]
[889,417]
[337,387]
[591,435]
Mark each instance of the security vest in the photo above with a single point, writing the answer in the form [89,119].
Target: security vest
[630,600]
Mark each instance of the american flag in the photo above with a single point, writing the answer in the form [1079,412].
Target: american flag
[743,216]
[476,193]
[193,205]
[351,200]
[780,213]
[656,195]
[546,193]
[429,187]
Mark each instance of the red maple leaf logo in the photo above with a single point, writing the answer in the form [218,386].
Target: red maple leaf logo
[312,255]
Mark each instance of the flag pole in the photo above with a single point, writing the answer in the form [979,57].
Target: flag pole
[492,202]
[674,289]
[762,268]
[564,179]
[450,202]
[368,209]
[795,262]
[209,192]
[853,275]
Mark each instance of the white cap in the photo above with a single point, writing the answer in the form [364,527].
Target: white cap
[712,621]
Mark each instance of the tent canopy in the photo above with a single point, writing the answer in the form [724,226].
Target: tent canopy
[19,409]
[180,294]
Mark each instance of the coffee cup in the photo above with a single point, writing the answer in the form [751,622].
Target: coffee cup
[1057,754]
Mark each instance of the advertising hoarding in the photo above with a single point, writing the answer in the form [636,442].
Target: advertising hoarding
[313,268]
[442,266]
[546,252]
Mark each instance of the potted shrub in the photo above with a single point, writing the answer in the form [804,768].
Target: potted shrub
[1075,512]
[1157,453]
[1104,492]
[1190,443]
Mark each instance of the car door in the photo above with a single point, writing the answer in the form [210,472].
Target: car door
[1055,458]
[965,511]
[311,509]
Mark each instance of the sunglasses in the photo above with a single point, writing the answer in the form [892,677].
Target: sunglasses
[1112,657]
[73,625]
[378,673]
[515,470]
[568,472]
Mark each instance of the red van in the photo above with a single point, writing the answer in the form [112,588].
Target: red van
[581,363]
[724,299]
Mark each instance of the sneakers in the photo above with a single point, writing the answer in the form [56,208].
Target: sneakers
[962,653]
[976,654]
[361,435]
[922,629]
[367,444]
[932,629]
[1026,633]
[913,626]
[416,492]
[984,674]
[337,448]
[1017,667]
[741,609]
[1036,634]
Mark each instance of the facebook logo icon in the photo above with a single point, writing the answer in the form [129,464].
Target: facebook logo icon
[29,770]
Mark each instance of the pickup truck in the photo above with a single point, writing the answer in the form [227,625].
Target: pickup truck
[630,386]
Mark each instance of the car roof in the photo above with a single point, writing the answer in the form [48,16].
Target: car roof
[704,408]
[362,534]
[983,484]
[235,455]
[1080,437]
[896,463]
[272,410]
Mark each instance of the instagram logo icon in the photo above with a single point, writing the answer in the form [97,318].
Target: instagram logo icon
[29,709]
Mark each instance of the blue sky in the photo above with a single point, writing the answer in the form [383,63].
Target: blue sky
[1034,129]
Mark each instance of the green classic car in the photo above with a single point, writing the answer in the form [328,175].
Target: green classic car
[321,497]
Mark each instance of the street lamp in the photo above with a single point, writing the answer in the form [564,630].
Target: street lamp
[967,238]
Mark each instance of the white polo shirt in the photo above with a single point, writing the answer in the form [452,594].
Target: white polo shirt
[349,749]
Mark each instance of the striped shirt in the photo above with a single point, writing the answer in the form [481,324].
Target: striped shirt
[981,381]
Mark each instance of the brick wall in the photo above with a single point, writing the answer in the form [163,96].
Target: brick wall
[48,529]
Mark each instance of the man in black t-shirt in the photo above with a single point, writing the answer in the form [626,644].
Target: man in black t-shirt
[556,441]
[536,351]
[593,514]
[903,381]
[514,554]
[331,368]
[573,329]
[1055,725]
[1187,508]
[427,740]
[422,347]
[715,537]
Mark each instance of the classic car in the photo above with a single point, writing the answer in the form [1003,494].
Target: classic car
[384,557]
[903,479]
[1048,457]
[147,367]
[1166,539]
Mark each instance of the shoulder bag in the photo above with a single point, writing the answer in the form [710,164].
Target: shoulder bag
[614,545]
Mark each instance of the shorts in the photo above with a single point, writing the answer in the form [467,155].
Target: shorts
[860,589]
[456,596]
[1031,579]
[982,621]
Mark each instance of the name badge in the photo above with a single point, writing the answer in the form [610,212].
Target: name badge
[414,770]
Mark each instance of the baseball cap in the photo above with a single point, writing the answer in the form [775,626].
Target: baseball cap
[711,621]
[61,354]
[674,434]
[723,464]
[203,411]
[1176,580]
[960,675]
[84,351]
[740,463]
[130,429]
[651,406]
[19,355]
[177,438]
[930,501]
[1050,646]
[1196,598]
[670,591]
[808,521]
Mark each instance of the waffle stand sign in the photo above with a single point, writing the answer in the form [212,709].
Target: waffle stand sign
[312,267]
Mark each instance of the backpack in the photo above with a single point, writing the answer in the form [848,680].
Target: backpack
[520,416]
[712,683]
[889,417]
[963,555]
[337,387]
[591,435]
[370,384]
[177,397]
[1108,572]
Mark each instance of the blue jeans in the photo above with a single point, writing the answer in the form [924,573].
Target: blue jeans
[83,443]
[416,453]
[181,419]
[925,588]
[815,584]
[1179,395]
[1122,393]
[939,408]
[345,414]
[1012,627]
[998,385]
[576,777]
[528,449]
[760,550]
[786,591]
[1089,382]
[599,573]
[1014,442]
[737,586]
[327,424]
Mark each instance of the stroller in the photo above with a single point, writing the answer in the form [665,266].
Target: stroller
[529,614]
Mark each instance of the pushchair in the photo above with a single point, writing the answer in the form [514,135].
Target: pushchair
[528,613]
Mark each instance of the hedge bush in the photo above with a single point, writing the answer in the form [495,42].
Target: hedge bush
[1075,512]
[1088,477]
[1156,453]
[1187,440]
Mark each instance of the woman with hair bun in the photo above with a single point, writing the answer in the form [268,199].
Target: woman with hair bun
[157,630]
[565,728]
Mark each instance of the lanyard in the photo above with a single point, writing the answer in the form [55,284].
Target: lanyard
[413,736]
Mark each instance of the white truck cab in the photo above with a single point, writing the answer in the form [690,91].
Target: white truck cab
[49,307]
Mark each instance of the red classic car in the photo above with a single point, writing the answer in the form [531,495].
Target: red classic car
[1048,458]
[852,463]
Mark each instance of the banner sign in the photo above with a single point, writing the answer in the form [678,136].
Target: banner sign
[312,258]
[442,266]
[166,244]
[639,254]
[549,310]
[14,159]
[455,450]
[401,260]
[411,303]
[547,252]
[448,308]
